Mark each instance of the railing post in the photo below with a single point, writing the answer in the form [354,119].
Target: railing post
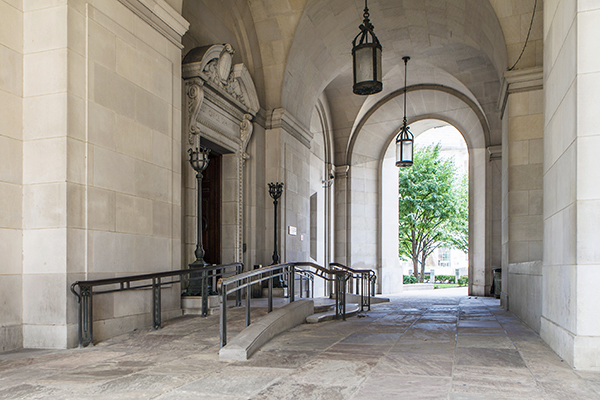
[86,327]
[156,303]
[204,293]
[292,284]
[362,291]
[369,291]
[344,280]
[224,316]
[248,298]
[238,294]
[270,300]
[338,295]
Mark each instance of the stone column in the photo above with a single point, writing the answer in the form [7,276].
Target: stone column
[341,220]
[101,160]
[571,266]
[11,175]
[522,195]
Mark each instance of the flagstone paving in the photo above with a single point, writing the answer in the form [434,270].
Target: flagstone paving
[438,344]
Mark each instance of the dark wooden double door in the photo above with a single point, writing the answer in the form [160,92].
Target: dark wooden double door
[211,210]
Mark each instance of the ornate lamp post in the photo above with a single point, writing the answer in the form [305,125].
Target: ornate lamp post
[275,191]
[405,139]
[199,161]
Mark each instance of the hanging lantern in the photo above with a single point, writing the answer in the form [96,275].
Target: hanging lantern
[366,59]
[404,147]
[405,139]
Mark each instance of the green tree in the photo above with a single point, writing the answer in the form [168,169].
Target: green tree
[433,207]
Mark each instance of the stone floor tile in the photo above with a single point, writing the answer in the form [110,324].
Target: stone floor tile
[235,381]
[279,358]
[415,364]
[568,389]
[371,338]
[424,347]
[488,385]
[331,372]
[393,387]
[485,341]
[592,378]
[285,390]
[27,391]
[503,358]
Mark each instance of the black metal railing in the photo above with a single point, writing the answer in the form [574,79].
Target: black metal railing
[288,271]
[152,281]
[364,283]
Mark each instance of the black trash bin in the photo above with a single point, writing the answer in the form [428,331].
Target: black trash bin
[497,284]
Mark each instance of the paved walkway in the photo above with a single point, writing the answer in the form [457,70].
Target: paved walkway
[437,344]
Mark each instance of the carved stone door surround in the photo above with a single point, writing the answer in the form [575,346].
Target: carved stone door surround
[221,103]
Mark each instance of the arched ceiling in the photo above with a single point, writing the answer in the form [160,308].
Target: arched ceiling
[460,39]
[298,50]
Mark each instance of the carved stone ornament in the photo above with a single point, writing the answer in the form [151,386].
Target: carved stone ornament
[213,66]
[246,128]
[195,96]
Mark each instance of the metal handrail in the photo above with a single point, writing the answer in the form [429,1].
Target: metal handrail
[365,280]
[234,284]
[86,291]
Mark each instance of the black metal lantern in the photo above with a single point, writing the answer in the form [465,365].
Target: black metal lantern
[405,139]
[366,59]
[199,162]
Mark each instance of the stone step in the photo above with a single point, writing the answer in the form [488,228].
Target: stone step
[323,305]
[351,310]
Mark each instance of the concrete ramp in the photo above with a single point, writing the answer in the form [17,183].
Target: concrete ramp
[260,332]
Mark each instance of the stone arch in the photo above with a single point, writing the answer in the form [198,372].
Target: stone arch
[365,184]
[473,138]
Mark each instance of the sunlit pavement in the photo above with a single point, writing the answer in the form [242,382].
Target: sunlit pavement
[435,344]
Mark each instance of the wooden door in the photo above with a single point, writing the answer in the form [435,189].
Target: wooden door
[211,210]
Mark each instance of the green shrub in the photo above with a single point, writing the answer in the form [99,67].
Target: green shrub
[445,279]
[463,280]
[409,279]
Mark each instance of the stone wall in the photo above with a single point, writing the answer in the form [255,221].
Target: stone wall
[11,174]
[571,267]
[524,286]
[523,145]
[288,161]
[102,163]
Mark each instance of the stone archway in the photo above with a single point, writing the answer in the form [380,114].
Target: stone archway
[221,103]
[365,187]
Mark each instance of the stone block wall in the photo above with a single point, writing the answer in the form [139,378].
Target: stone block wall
[101,162]
[288,161]
[571,267]
[525,158]
[11,174]
[523,143]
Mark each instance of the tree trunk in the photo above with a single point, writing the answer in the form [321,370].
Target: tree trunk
[415,261]
[423,258]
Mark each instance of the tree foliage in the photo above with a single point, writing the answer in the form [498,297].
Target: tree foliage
[433,207]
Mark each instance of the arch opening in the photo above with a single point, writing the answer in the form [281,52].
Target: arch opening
[442,261]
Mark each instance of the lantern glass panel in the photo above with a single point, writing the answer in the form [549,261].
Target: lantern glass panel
[364,64]
[407,150]
[378,62]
